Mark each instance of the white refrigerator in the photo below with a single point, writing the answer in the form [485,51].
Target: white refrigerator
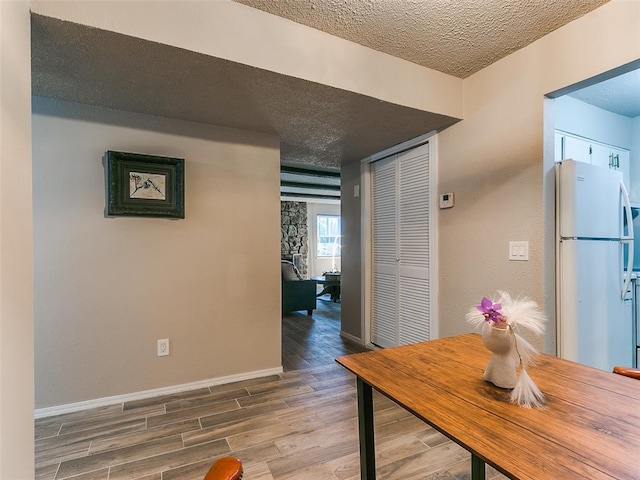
[594,296]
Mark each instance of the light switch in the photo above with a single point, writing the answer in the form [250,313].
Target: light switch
[519,250]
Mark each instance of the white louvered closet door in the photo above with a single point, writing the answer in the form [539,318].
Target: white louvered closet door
[400,310]
[384,320]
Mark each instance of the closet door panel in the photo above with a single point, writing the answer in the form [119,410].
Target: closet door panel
[384,212]
[414,209]
[384,321]
[400,209]
[414,311]
[384,328]
[413,236]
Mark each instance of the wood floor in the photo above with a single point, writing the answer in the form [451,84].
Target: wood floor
[299,425]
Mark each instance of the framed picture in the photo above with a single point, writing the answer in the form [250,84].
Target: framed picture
[144,185]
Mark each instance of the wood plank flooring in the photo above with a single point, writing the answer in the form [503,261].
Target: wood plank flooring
[299,425]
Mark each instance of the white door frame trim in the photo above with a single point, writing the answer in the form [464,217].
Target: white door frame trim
[366,231]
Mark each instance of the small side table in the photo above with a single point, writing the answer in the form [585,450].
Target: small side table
[331,282]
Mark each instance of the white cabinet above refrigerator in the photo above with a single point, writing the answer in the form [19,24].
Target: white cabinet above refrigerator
[569,146]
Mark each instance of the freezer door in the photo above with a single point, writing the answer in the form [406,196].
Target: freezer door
[595,326]
[589,203]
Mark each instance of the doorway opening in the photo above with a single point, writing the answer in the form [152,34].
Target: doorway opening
[594,124]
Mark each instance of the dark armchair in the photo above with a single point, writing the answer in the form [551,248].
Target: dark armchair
[297,294]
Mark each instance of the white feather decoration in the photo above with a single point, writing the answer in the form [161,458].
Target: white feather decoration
[517,313]
[526,393]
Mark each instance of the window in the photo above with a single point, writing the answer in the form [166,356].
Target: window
[328,230]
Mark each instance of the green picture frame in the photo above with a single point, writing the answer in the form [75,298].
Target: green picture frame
[140,185]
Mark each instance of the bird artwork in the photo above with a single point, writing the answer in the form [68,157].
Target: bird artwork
[147,186]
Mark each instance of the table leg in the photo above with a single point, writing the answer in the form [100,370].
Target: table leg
[365,427]
[477,468]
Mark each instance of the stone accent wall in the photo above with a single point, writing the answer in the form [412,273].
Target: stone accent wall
[294,238]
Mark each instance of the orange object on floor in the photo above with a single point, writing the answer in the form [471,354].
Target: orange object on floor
[628,372]
[226,468]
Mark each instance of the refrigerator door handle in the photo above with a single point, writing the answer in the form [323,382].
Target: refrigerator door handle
[628,239]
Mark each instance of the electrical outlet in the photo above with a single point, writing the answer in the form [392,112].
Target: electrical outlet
[163,347]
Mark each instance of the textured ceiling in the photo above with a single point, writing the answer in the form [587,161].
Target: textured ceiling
[318,125]
[456,37]
[620,94]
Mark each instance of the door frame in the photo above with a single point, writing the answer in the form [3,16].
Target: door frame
[367,244]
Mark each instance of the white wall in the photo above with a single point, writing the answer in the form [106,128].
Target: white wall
[107,288]
[319,265]
[579,118]
[16,266]
[493,161]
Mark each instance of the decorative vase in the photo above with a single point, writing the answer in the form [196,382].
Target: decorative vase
[501,369]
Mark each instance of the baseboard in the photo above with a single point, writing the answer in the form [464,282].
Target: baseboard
[348,336]
[127,397]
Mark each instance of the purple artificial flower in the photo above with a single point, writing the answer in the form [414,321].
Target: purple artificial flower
[490,311]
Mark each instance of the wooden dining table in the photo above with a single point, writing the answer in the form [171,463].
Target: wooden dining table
[589,427]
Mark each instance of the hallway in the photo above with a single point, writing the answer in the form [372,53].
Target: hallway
[314,341]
